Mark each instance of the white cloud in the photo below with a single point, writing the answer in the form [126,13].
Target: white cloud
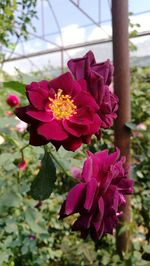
[100,33]
[71,34]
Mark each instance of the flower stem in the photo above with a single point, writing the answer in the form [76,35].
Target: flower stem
[21,151]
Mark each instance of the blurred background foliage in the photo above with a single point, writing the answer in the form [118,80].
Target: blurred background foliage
[15,21]
[30,232]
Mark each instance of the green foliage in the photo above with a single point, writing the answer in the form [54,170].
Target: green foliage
[140,94]
[15,86]
[133,33]
[30,231]
[15,20]
[43,184]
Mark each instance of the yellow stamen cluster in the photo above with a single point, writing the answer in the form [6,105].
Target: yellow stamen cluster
[62,106]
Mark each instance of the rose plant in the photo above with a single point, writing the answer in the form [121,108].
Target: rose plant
[58,118]
[67,112]
[31,233]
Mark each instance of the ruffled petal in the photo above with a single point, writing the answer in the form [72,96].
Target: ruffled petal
[125,186]
[80,66]
[111,199]
[72,143]
[83,222]
[41,115]
[96,235]
[96,86]
[75,198]
[84,99]
[87,172]
[83,116]
[21,113]
[77,67]
[66,83]
[74,129]
[35,138]
[98,217]
[110,223]
[105,70]
[52,131]
[90,193]
[37,93]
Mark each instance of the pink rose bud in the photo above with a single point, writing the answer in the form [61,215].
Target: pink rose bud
[12,100]
[76,172]
[22,165]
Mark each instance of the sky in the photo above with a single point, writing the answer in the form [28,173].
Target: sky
[75,28]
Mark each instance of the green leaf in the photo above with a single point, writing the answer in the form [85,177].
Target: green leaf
[130,125]
[10,199]
[35,221]
[4,255]
[147,249]
[15,85]
[43,184]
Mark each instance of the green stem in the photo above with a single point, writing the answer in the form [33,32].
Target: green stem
[21,151]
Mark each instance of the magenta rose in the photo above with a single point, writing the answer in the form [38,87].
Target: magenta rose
[12,100]
[98,77]
[108,108]
[100,195]
[61,111]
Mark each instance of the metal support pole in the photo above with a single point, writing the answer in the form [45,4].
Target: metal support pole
[122,89]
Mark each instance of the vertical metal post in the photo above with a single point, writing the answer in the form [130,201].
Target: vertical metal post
[122,89]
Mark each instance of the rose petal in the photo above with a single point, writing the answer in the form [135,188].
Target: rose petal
[21,113]
[37,93]
[72,143]
[41,115]
[83,222]
[52,131]
[66,83]
[74,199]
[98,217]
[90,193]
[74,129]
[35,138]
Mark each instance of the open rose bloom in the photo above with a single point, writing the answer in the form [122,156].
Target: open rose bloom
[61,111]
[100,195]
[98,77]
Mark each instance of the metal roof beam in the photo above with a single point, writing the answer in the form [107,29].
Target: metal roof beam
[71,47]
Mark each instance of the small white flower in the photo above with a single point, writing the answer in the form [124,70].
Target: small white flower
[21,126]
